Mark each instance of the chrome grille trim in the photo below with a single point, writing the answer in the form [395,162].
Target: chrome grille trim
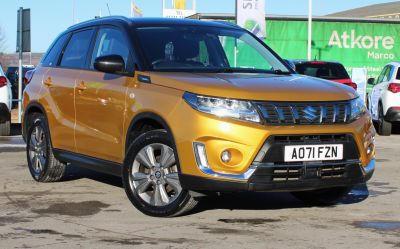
[304,113]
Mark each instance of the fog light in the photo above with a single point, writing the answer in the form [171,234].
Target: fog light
[226,156]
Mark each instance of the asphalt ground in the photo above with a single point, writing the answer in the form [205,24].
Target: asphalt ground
[90,210]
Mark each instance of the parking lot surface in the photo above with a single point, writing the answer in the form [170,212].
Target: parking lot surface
[91,210]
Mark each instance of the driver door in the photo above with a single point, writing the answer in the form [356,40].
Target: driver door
[100,101]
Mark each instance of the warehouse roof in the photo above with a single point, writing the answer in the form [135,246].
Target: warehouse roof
[388,10]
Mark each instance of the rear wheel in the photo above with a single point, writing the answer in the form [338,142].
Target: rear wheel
[151,177]
[5,128]
[43,166]
[384,127]
[322,197]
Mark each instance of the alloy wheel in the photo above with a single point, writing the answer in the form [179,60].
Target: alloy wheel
[37,149]
[154,175]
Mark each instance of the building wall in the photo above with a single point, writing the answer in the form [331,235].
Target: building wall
[7,60]
[365,45]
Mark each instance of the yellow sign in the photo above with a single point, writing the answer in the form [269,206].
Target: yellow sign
[180,4]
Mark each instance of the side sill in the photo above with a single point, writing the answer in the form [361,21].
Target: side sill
[91,163]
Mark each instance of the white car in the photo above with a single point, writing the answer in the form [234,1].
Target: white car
[5,104]
[384,100]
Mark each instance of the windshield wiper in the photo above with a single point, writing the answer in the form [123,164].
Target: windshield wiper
[280,72]
[239,70]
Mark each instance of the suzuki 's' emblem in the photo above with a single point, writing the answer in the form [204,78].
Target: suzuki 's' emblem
[310,113]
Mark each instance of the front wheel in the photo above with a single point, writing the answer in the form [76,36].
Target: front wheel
[322,197]
[151,177]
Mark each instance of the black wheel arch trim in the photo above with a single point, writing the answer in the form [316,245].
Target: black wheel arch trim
[33,104]
[157,118]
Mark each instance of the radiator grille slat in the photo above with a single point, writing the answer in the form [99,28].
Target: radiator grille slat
[290,113]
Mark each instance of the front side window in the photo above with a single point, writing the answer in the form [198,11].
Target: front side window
[110,42]
[194,48]
[53,54]
[75,54]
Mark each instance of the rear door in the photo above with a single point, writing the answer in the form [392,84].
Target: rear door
[100,100]
[59,83]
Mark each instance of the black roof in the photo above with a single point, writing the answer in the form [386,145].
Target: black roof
[145,22]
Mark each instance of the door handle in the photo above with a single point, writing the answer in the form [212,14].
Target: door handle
[81,86]
[48,82]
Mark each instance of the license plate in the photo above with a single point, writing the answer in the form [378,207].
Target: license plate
[302,153]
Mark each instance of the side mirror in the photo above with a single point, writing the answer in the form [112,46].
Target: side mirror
[110,64]
[371,81]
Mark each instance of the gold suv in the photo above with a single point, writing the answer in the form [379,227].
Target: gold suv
[182,108]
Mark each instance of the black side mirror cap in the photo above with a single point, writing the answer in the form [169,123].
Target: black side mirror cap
[110,64]
[371,81]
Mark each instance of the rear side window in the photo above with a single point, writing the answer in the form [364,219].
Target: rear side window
[75,54]
[54,52]
[329,71]
[110,42]
[398,74]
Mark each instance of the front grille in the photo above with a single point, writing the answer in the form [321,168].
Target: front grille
[290,113]
[286,173]
[271,167]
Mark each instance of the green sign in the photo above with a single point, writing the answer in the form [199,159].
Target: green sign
[360,45]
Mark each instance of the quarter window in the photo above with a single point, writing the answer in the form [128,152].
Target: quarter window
[75,53]
[398,74]
[110,42]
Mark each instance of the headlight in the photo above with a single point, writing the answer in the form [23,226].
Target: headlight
[222,107]
[357,109]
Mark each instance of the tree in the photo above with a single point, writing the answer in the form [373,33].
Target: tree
[2,44]
[2,40]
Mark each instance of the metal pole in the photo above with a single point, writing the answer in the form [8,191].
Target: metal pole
[20,72]
[309,29]
[235,49]
[131,8]
[163,7]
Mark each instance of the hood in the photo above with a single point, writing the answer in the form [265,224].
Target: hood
[268,87]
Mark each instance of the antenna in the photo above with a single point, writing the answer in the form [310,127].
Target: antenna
[109,11]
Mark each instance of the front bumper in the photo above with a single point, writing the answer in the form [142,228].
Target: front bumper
[262,180]
[245,141]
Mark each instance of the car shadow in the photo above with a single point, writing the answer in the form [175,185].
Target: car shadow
[15,130]
[270,200]
[74,173]
[227,201]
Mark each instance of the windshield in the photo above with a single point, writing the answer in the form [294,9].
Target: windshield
[206,49]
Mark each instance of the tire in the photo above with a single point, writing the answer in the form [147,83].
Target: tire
[45,168]
[322,197]
[152,182]
[5,129]
[384,127]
